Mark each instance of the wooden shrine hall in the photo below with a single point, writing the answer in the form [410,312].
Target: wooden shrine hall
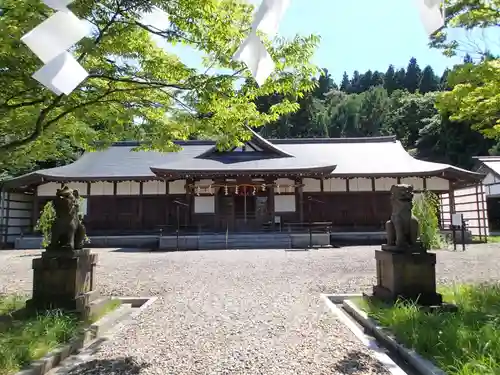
[264,185]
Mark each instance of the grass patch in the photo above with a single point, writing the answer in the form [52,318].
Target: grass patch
[463,343]
[28,339]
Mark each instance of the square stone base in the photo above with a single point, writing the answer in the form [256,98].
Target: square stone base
[408,276]
[63,280]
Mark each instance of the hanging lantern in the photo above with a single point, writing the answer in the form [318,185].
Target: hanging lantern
[236,190]
[278,189]
[210,189]
[225,190]
[254,190]
[197,190]
[263,187]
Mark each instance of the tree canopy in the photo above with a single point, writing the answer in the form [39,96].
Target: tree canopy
[475,86]
[136,89]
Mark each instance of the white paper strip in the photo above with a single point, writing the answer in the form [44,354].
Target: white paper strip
[254,54]
[432,17]
[55,35]
[62,74]
[58,4]
[268,17]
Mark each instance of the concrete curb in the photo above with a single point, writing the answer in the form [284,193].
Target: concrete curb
[422,365]
[108,324]
[368,341]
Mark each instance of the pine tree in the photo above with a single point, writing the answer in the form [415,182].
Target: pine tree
[429,81]
[390,83]
[346,83]
[468,59]
[413,76]
[325,85]
[366,81]
[355,86]
[400,79]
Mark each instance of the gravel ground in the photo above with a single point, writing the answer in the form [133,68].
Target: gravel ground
[240,312]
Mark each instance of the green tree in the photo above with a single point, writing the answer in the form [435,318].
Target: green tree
[475,88]
[137,89]
[429,81]
[346,82]
[372,111]
[390,82]
[355,86]
[413,76]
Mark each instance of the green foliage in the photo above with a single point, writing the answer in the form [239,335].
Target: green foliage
[475,86]
[138,90]
[25,340]
[44,223]
[463,343]
[425,209]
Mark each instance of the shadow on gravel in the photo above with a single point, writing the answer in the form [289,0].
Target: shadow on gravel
[357,362]
[117,366]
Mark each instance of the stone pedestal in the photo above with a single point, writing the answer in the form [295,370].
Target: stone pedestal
[64,280]
[411,276]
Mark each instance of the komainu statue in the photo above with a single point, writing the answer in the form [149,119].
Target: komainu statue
[402,228]
[68,232]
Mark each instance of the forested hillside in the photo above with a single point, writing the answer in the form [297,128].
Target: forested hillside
[396,102]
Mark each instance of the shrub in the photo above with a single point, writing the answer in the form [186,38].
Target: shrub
[425,209]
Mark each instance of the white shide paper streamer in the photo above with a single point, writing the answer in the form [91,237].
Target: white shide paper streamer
[50,41]
[252,51]
[62,74]
[58,4]
[432,14]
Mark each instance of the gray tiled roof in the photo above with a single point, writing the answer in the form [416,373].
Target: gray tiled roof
[491,162]
[382,156]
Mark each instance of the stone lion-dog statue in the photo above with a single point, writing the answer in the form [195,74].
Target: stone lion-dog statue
[67,232]
[402,229]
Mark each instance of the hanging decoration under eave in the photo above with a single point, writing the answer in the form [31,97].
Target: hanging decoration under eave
[50,41]
[252,51]
[432,14]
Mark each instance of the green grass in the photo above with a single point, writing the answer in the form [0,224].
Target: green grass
[25,340]
[462,343]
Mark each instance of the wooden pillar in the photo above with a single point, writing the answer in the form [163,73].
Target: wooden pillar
[451,200]
[141,206]
[270,190]
[168,202]
[36,210]
[189,201]
[299,198]
[115,207]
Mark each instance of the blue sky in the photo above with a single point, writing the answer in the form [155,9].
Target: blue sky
[358,35]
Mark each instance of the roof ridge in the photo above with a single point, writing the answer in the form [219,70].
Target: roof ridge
[196,142]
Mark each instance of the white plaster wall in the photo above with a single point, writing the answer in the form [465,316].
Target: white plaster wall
[360,184]
[311,185]
[128,188]
[334,184]
[204,183]
[101,188]
[284,187]
[416,182]
[385,183]
[154,187]
[470,206]
[177,187]
[48,190]
[19,215]
[204,204]
[284,203]
[437,184]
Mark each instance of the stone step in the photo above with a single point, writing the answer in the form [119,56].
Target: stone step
[110,320]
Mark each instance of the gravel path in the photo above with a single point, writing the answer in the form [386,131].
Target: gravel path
[240,312]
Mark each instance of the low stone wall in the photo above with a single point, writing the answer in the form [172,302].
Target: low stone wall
[146,241]
[303,240]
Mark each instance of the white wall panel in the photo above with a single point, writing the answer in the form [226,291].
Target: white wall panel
[177,187]
[48,190]
[154,187]
[101,188]
[204,204]
[311,185]
[385,183]
[360,184]
[128,188]
[416,182]
[437,184]
[334,185]
[284,185]
[284,203]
